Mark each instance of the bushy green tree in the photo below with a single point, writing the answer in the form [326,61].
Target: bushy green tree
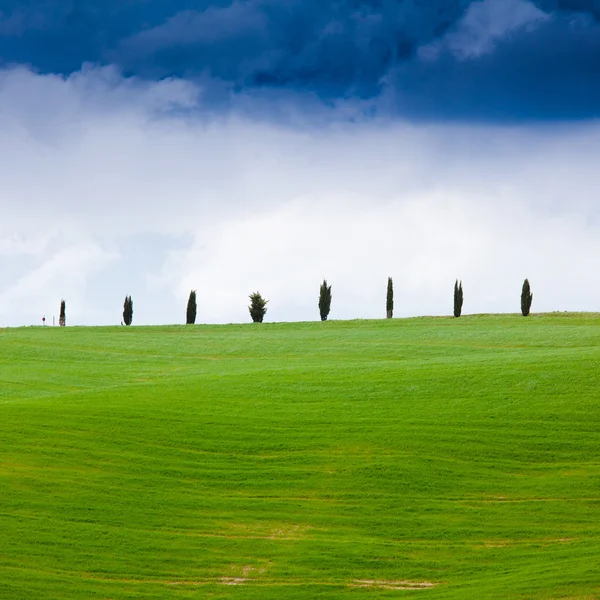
[389,303]
[526,298]
[458,298]
[324,300]
[190,315]
[62,319]
[258,307]
[128,311]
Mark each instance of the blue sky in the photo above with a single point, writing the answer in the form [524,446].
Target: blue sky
[151,147]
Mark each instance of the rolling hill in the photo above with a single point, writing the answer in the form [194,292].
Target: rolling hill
[429,457]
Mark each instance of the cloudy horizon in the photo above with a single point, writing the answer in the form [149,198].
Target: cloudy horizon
[151,152]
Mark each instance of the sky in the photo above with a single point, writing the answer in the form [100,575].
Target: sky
[151,147]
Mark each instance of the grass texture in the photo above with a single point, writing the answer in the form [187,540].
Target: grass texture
[428,458]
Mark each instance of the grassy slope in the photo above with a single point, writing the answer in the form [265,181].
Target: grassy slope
[302,457]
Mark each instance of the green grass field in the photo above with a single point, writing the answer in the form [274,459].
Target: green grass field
[427,458]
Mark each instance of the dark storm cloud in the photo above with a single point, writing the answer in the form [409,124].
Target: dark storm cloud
[551,73]
[490,59]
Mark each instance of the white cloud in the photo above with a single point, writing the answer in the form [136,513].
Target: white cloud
[209,26]
[37,291]
[423,241]
[485,23]
[108,191]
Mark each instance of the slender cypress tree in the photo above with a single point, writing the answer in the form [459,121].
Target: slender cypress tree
[258,307]
[128,310]
[62,319]
[190,315]
[526,298]
[389,304]
[458,298]
[324,300]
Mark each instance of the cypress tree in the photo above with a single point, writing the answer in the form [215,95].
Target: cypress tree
[258,307]
[128,310]
[389,304]
[324,300]
[190,316]
[458,298]
[62,319]
[526,298]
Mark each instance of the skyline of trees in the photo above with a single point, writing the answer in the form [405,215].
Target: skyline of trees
[324,300]
[258,305]
[128,311]
[62,319]
[526,298]
[458,298]
[191,310]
